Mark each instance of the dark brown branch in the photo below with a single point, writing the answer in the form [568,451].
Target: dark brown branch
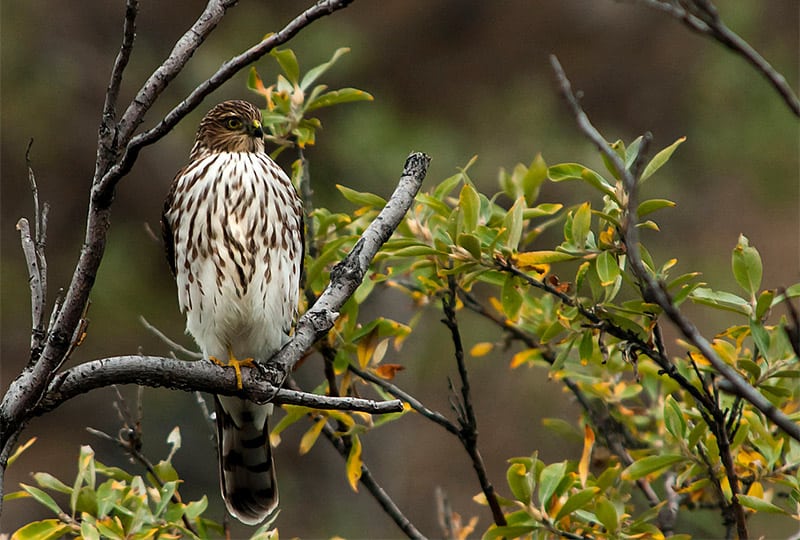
[413,402]
[701,16]
[468,434]
[655,291]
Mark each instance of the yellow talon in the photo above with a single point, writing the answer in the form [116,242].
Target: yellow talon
[235,363]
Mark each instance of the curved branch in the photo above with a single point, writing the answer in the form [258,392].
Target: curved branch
[151,89]
[655,291]
[702,17]
[158,372]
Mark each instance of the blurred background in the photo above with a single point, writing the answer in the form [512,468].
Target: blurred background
[453,78]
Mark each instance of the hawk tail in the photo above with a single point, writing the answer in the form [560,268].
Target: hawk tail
[247,470]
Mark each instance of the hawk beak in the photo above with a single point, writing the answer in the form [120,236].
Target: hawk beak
[256,130]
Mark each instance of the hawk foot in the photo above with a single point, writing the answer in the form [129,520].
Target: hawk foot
[236,364]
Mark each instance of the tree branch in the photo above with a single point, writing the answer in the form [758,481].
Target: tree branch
[111,165]
[346,276]
[655,291]
[468,434]
[183,50]
[154,371]
[375,489]
[701,16]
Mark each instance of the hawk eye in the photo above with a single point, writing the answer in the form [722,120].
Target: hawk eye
[233,123]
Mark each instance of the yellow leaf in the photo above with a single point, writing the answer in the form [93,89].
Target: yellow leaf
[523,357]
[588,444]
[756,490]
[311,436]
[354,463]
[481,349]
[366,347]
[496,304]
[20,449]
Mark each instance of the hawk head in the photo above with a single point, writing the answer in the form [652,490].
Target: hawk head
[231,126]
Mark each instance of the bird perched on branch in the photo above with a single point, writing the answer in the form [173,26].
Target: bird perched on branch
[233,231]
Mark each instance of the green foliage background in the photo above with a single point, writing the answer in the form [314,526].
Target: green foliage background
[452,79]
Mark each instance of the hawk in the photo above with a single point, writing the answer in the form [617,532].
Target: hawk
[233,232]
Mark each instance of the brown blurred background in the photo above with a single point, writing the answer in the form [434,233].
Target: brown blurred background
[452,78]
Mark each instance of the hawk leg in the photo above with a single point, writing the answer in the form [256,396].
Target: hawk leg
[236,364]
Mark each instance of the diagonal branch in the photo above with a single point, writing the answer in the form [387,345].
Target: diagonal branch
[347,275]
[701,16]
[113,162]
[655,291]
[183,50]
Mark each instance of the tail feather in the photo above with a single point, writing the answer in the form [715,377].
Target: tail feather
[247,470]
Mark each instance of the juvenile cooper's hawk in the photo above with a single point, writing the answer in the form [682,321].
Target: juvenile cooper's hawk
[233,230]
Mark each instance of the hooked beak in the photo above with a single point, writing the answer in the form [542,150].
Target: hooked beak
[255,129]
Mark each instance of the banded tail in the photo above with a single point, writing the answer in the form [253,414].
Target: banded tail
[247,471]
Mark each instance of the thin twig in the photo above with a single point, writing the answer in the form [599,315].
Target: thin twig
[468,434]
[177,347]
[375,489]
[655,291]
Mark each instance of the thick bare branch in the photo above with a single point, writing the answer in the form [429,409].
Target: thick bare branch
[200,376]
[112,164]
[347,275]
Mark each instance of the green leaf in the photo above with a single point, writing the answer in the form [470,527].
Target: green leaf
[520,481]
[532,181]
[650,206]
[581,224]
[721,300]
[42,497]
[513,223]
[335,97]
[764,303]
[470,205]
[760,337]
[288,62]
[607,514]
[746,263]
[89,531]
[673,418]
[549,479]
[576,171]
[649,465]
[507,531]
[760,505]
[48,481]
[446,186]
[577,501]
[660,159]
[471,243]
[195,508]
[46,529]
[317,71]
[607,268]
[511,298]
[361,198]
